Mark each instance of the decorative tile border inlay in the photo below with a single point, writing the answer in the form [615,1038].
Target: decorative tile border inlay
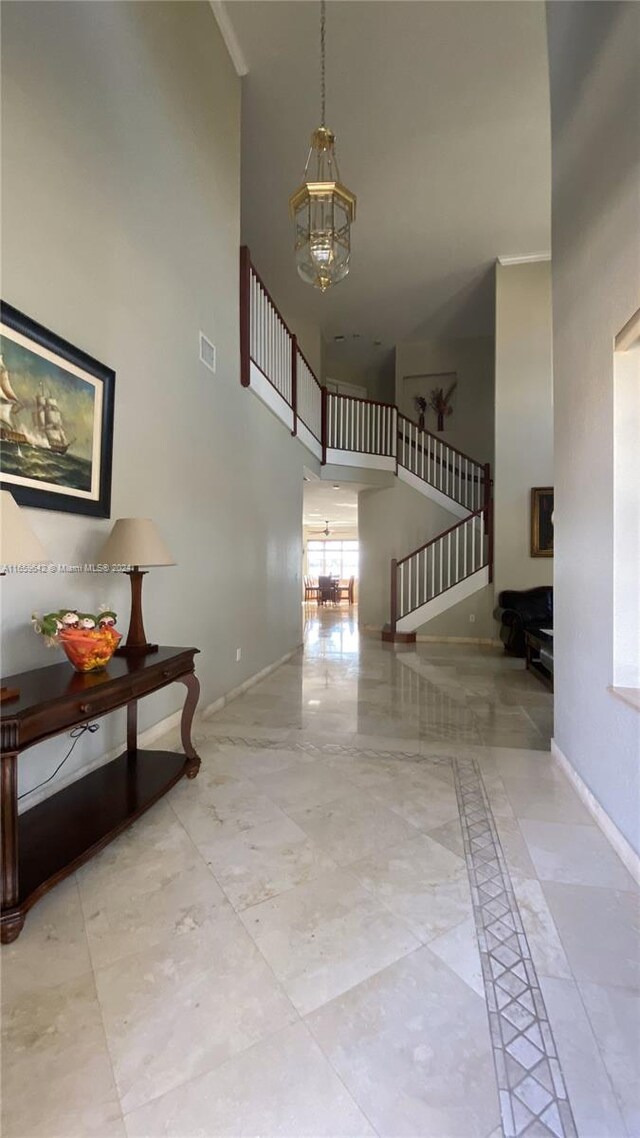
[533,1097]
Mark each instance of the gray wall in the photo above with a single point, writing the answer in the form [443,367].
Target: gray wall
[595,110]
[470,427]
[120,183]
[523,419]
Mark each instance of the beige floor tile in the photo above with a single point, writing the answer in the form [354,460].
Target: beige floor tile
[450,836]
[179,1009]
[323,937]
[600,932]
[52,947]
[149,884]
[548,800]
[422,802]
[280,1088]
[56,1074]
[298,788]
[262,862]
[210,810]
[594,1106]
[547,951]
[412,1046]
[422,883]
[458,949]
[575,855]
[514,847]
[614,1014]
[353,827]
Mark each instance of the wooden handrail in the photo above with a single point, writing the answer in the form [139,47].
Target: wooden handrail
[424,430]
[433,540]
[245,316]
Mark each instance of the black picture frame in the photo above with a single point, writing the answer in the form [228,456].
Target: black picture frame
[95,502]
[542,521]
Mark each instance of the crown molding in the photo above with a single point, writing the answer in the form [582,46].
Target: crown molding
[228,33]
[524,259]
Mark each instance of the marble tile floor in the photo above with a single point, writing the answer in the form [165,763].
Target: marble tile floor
[379,909]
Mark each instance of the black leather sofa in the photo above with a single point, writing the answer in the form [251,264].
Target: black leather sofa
[521,611]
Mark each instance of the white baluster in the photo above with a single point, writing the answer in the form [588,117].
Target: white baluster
[433,570]
[481,540]
[473,545]
[402,589]
[448,560]
[457,554]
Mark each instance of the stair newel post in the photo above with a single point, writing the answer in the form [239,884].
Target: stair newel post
[323,421]
[393,619]
[294,383]
[488,516]
[245,316]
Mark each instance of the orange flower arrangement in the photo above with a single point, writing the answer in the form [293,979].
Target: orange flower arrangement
[88,641]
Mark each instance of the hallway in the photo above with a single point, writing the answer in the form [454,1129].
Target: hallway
[379,909]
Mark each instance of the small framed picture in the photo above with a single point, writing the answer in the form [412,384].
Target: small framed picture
[542,521]
[56,420]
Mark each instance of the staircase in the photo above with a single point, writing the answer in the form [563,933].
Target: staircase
[342,430]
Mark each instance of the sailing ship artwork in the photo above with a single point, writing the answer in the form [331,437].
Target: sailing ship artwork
[52,419]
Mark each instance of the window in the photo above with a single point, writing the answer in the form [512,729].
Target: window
[332,559]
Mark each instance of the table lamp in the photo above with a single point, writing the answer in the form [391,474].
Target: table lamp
[18,546]
[135,542]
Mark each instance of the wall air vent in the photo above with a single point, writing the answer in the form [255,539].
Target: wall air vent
[207,353]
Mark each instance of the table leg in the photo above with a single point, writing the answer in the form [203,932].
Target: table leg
[10,922]
[192,685]
[132,728]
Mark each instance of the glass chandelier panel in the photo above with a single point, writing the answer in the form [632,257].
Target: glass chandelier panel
[322,208]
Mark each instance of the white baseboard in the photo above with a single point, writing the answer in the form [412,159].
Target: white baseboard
[145,738]
[625,851]
[217,704]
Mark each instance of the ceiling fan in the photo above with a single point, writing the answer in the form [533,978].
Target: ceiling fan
[326,531]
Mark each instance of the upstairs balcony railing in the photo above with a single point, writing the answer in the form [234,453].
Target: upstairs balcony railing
[335,426]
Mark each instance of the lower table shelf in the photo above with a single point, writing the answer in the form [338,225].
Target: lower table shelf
[61,833]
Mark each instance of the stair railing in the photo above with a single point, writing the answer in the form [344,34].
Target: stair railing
[439,564]
[362,426]
[433,460]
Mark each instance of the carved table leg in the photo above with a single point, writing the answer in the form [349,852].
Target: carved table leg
[10,922]
[192,685]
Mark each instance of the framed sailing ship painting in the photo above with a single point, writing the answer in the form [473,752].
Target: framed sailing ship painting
[56,420]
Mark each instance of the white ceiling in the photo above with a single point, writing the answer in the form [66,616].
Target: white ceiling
[442,119]
[322,503]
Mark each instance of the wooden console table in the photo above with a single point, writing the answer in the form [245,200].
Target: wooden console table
[43,845]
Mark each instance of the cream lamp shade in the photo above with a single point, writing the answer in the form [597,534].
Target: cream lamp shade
[135,541]
[18,543]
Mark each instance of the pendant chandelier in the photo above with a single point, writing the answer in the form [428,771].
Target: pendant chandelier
[322,208]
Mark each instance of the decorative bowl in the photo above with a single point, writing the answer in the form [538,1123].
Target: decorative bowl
[89,650]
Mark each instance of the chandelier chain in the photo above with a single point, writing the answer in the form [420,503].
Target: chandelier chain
[323,93]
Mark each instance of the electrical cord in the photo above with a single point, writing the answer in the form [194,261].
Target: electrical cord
[75,734]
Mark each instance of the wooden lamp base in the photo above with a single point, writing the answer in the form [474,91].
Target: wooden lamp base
[136,643]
